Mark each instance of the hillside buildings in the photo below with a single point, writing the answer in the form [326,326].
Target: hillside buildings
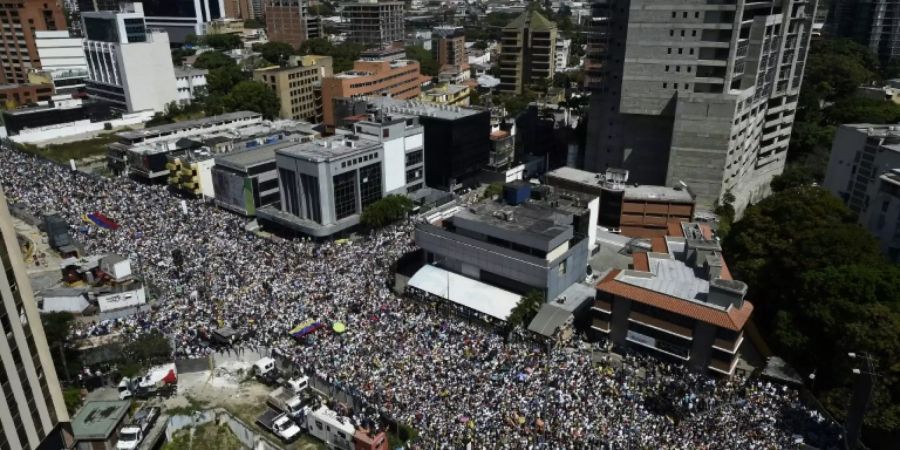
[693,94]
[20,21]
[864,171]
[130,64]
[299,87]
[374,23]
[527,52]
[33,414]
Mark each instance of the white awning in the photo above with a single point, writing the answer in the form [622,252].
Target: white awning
[470,293]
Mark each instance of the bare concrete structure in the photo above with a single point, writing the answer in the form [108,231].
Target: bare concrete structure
[374,23]
[696,92]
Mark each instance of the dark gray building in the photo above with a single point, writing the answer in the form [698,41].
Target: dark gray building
[247,180]
[872,23]
[532,246]
[374,23]
[697,93]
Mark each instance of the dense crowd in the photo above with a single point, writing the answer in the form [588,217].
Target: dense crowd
[456,384]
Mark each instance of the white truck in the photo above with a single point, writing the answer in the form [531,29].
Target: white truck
[159,380]
[280,424]
[291,398]
[266,371]
[334,430]
[131,436]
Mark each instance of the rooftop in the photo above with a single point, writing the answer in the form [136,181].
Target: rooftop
[245,159]
[616,179]
[893,177]
[532,20]
[329,148]
[97,420]
[187,124]
[528,219]
[183,71]
[424,109]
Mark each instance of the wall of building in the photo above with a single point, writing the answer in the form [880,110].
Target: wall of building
[52,132]
[18,51]
[148,73]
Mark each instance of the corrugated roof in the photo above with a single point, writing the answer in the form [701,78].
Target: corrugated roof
[732,318]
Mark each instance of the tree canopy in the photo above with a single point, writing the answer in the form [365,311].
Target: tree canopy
[427,64]
[253,96]
[342,54]
[389,209]
[213,60]
[821,289]
[275,52]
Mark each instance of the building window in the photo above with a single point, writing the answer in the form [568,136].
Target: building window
[562,267]
[344,195]
[370,184]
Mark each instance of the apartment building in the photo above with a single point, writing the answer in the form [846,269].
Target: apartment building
[679,302]
[563,49]
[299,88]
[863,170]
[449,46]
[289,21]
[62,58]
[403,140]
[527,52]
[19,20]
[189,81]
[399,78]
[696,94]
[32,414]
[130,64]
[374,23]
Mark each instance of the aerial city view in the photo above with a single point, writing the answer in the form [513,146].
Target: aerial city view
[449,224]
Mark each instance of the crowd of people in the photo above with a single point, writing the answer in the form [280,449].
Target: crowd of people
[456,384]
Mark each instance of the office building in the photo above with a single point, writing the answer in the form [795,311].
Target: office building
[18,49]
[247,180]
[871,23]
[638,211]
[178,18]
[289,21]
[130,64]
[402,139]
[62,58]
[238,9]
[520,247]
[693,94]
[527,52]
[449,46]
[325,185]
[188,82]
[374,23]
[863,172]
[398,78]
[32,414]
[678,301]
[299,87]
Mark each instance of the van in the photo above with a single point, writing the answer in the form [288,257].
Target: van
[263,367]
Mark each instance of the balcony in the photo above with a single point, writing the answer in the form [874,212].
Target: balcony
[727,345]
[723,367]
[662,325]
[600,325]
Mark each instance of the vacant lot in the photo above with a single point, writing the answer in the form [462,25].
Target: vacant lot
[62,153]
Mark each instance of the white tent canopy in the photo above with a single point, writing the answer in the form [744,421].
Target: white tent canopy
[470,293]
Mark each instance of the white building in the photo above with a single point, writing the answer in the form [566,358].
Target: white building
[334,430]
[563,47]
[863,172]
[62,57]
[187,81]
[130,65]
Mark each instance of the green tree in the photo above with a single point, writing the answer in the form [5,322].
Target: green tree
[427,63]
[148,349]
[179,55]
[222,80]
[342,55]
[222,41]
[860,109]
[276,52]
[57,327]
[389,209]
[524,311]
[213,60]
[794,176]
[493,189]
[253,96]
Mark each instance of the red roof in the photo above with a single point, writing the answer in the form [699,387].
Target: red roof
[732,319]
[499,134]
[641,261]
[674,228]
[658,245]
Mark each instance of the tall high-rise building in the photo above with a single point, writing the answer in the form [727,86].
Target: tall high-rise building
[374,23]
[179,18]
[872,23]
[130,65]
[19,21]
[289,21]
[694,94]
[527,52]
[32,414]
[62,57]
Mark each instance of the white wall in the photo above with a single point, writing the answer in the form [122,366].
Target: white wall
[120,300]
[148,73]
[204,174]
[73,304]
[51,132]
[394,165]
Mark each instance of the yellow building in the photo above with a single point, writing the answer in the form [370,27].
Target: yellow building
[448,94]
[298,86]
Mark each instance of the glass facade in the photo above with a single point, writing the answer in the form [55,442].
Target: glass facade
[370,184]
[104,30]
[344,195]
[135,30]
[312,204]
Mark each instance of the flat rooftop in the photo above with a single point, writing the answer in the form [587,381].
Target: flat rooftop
[423,109]
[632,192]
[329,148]
[182,71]
[188,124]
[245,159]
[97,420]
[540,221]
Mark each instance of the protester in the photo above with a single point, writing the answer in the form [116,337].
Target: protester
[458,385]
